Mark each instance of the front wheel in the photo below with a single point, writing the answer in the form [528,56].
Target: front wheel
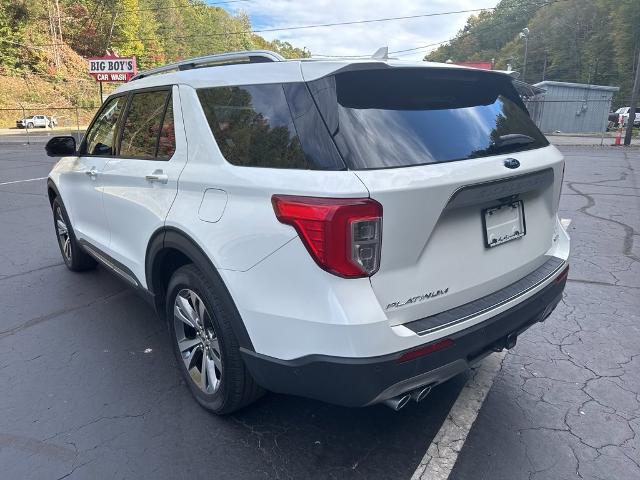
[30,125]
[204,343]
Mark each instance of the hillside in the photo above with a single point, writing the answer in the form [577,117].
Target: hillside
[42,45]
[587,41]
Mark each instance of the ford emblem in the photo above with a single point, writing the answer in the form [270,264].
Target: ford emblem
[511,163]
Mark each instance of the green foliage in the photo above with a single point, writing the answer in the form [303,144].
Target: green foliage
[587,41]
[155,31]
[13,19]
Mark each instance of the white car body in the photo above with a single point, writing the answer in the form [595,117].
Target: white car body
[433,257]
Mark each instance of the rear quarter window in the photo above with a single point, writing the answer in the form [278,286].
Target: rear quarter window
[270,125]
[253,126]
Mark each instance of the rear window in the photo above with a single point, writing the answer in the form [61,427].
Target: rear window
[403,117]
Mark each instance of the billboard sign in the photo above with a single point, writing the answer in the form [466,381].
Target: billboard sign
[112,69]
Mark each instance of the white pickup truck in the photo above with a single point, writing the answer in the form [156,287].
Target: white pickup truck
[36,121]
[614,118]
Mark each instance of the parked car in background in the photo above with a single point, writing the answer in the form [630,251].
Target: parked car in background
[614,118]
[42,121]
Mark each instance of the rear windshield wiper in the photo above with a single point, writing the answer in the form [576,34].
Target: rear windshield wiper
[505,143]
[512,139]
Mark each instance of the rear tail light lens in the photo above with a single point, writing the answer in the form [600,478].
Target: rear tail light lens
[563,276]
[343,235]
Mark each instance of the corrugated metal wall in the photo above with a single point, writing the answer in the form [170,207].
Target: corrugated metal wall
[571,108]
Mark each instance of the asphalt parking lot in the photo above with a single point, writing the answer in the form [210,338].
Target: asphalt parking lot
[90,389]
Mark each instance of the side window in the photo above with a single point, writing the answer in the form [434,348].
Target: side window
[167,140]
[142,124]
[253,126]
[100,139]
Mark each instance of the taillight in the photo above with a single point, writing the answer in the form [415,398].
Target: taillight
[343,235]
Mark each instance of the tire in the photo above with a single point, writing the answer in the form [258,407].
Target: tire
[228,386]
[30,125]
[74,256]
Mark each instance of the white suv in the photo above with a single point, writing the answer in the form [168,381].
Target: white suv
[349,231]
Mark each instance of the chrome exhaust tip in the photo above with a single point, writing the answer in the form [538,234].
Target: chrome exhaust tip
[420,394]
[396,403]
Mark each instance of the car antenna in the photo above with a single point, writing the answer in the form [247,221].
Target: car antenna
[381,54]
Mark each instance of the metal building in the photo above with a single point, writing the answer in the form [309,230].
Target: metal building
[571,107]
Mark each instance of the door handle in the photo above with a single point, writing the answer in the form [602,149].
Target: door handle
[157,176]
[92,172]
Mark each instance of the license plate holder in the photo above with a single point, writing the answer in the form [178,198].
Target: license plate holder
[503,223]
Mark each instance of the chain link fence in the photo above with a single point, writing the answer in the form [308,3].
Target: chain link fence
[570,116]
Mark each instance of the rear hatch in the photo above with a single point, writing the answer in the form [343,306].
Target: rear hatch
[468,184]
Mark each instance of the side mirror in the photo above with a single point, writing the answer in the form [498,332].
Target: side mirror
[61,146]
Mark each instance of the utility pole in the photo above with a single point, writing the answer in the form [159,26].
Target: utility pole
[632,105]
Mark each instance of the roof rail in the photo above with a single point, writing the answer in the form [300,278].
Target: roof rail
[231,58]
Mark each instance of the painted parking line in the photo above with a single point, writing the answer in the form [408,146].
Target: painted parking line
[565,222]
[22,181]
[443,452]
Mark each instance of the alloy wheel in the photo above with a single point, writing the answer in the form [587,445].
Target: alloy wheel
[197,341]
[63,235]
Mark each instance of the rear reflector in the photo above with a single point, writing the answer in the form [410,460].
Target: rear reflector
[563,276]
[426,350]
[343,235]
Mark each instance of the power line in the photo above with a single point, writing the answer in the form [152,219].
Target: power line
[336,24]
[322,25]
[302,27]
[471,32]
[464,35]
[476,31]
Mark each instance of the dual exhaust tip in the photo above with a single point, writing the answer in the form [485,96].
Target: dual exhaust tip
[400,401]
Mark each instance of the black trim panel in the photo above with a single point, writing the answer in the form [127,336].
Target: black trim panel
[357,382]
[484,304]
[120,270]
[481,193]
[111,263]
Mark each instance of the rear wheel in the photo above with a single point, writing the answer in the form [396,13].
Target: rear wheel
[205,345]
[75,258]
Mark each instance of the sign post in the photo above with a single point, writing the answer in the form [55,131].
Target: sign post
[112,69]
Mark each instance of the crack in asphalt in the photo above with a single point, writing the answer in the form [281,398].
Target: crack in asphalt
[39,269]
[574,380]
[604,284]
[629,231]
[50,316]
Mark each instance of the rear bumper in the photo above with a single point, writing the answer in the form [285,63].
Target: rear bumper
[356,382]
